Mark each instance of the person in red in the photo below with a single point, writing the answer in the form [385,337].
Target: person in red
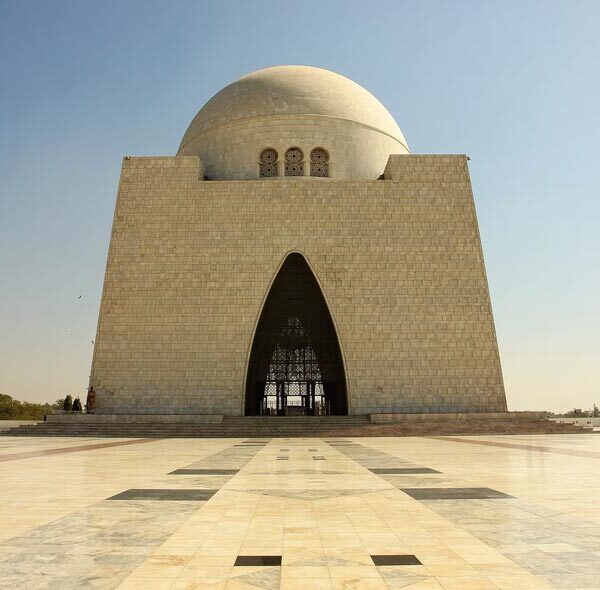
[91,400]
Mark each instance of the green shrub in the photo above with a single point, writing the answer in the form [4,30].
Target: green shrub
[68,404]
[77,405]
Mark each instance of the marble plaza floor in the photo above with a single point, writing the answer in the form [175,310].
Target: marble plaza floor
[454,513]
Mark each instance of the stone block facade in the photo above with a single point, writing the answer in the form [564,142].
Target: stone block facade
[399,261]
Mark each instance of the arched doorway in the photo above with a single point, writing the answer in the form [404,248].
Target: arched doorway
[295,365]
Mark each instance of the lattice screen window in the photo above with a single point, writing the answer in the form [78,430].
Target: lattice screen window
[294,162]
[268,163]
[319,162]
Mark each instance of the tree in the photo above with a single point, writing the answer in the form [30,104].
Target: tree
[596,412]
[8,409]
[77,405]
[577,413]
[11,409]
[68,404]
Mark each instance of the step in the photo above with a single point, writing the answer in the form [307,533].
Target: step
[287,427]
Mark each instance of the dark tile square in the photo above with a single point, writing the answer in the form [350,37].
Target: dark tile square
[319,458]
[403,470]
[242,560]
[454,493]
[167,494]
[395,560]
[204,472]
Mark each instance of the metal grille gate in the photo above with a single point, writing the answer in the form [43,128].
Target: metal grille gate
[294,385]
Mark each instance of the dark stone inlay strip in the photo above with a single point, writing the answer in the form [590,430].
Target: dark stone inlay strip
[454,493]
[74,449]
[541,449]
[401,470]
[242,560]
[178,495]
[395,560]
[204,472]
[319,458]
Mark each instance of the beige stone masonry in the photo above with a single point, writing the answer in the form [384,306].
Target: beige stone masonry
[399,261]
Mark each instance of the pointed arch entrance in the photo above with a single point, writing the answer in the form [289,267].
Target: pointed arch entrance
[295,365]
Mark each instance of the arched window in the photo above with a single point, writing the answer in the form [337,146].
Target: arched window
[268,163]
[294,162]
[319,162]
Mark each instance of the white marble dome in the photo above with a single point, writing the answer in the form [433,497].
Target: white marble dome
[298,107]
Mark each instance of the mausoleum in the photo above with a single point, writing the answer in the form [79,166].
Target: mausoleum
[294,258]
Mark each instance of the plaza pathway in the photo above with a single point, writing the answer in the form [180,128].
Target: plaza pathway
[454,513]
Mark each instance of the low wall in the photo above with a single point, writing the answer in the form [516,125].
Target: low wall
[6,424]
[136,418]
[585,421]
[458,416]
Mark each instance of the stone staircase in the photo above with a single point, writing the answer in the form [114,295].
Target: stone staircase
[296,426]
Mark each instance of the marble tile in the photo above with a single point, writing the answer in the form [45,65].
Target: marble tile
[246,560]
[454,493]
[395,560]
[402,470]
[165,494]
[204,472]
[403,577]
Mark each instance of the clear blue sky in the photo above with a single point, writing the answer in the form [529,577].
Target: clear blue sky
[513,84]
